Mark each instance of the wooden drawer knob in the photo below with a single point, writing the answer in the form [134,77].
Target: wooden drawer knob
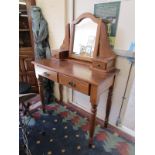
[46,74]
[72,84]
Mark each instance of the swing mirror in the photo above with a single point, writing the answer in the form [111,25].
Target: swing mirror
[84,37]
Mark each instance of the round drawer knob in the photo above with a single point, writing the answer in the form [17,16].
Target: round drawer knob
[46,74]
[72,84]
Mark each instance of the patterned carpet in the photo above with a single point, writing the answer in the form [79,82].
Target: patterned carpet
[62,131]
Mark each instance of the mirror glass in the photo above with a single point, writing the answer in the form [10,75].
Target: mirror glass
[84,38]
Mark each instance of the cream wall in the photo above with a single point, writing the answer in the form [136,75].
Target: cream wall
[126,25]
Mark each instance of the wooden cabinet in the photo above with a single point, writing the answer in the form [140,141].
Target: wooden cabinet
[26,51]
[24,31]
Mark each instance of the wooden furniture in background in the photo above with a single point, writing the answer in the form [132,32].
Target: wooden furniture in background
[26,48]
[89,75]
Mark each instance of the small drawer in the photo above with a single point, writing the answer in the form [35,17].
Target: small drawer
[99,65]
[51,75]
[74,83]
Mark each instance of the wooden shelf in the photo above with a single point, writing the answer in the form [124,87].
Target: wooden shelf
[25,48]
[23,10]
[24,15]
[26,51]
[24,30]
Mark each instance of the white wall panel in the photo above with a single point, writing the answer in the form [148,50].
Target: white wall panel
[129,118]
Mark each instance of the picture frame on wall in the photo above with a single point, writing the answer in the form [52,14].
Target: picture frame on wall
[109,12]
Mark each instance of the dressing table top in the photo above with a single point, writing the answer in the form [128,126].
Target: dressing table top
[74,68]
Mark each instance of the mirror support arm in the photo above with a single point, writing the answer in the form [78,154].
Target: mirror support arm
[63,52]
[60,54]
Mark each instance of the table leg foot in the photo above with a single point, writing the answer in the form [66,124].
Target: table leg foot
[108,106]
[92,125]
[61,93]
[90,142]
[106,124]
[44,111]
[40,86]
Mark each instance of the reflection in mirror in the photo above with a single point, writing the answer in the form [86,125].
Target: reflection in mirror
[84,38]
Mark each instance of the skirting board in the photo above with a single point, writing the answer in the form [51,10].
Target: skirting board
[127,130]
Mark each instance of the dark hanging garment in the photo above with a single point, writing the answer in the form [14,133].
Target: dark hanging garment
[42,48]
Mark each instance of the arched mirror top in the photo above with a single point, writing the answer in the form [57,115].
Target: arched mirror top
[86,15]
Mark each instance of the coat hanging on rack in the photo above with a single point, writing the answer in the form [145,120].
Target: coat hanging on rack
[41,47]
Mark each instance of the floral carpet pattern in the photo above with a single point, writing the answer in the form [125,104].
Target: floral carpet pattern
[64,131]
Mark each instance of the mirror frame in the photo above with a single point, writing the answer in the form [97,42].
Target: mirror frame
[74,23]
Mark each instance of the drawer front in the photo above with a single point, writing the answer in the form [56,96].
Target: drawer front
[99,65]
[51,75]
[111,64]
[74,83]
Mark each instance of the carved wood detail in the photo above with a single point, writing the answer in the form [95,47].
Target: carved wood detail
[66,41]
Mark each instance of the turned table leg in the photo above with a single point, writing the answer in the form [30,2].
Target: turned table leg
[108,106]
[61,93]
[94,103]
[92,124]
[40,86]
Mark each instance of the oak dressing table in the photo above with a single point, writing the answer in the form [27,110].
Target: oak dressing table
[85,62]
